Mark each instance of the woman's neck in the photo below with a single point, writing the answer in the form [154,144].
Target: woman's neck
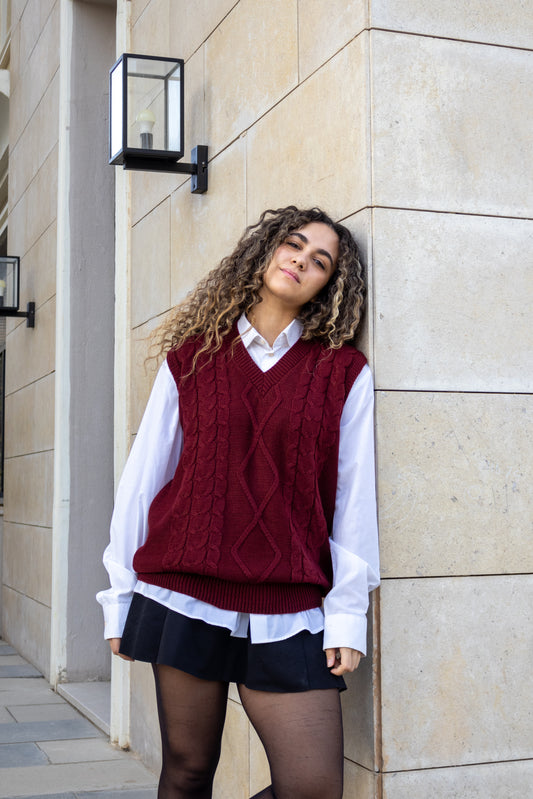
[270,322]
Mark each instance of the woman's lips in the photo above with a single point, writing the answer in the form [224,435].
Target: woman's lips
[292,275]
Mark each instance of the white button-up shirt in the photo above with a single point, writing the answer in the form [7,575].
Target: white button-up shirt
[354,543]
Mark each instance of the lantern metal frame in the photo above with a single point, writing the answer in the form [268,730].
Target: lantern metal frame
[149,159]
[13,310]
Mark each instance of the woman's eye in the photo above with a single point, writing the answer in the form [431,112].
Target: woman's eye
[294,244]
[319,263]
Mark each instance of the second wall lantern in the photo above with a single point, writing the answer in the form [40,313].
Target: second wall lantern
[146,101]
[9,290]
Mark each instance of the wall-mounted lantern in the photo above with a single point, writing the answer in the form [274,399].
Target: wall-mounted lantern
[9,290]
[146,118]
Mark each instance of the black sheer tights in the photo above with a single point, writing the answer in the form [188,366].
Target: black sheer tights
[191,717]
[302,736]
[301,733]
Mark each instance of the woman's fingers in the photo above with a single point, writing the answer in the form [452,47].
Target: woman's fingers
[330,656]
[342,660]
[114,643]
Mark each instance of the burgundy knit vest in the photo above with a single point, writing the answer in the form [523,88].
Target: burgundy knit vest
[244,524]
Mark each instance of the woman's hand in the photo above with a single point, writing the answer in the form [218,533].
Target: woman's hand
[114,643]
[342,660]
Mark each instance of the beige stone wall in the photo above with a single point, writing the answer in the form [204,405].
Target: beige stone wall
[411,122]
[30,356]
[452,266]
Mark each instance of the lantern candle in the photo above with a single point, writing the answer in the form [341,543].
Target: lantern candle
[146,121]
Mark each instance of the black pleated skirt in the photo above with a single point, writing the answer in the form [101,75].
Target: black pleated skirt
[155,634]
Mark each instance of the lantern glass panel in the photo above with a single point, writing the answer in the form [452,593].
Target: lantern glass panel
[154,105]
[116,143]
[9,282]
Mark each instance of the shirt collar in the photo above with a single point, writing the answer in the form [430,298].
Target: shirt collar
[286,338]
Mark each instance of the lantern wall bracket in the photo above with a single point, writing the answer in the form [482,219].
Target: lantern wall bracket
[29,314]
[197,169]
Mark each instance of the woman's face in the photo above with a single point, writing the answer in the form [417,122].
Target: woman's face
[301,266]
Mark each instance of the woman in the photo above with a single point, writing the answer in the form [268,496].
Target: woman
[247,498]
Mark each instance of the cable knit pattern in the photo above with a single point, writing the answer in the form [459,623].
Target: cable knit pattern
[244,524]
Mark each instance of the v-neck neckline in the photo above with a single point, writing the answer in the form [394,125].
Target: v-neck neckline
[265,380]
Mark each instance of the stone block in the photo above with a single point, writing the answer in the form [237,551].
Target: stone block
[26,623]
[484,781]
[189,31]
[259,768]
[233,774]
[21,755]
[359,783]
[137,8]
[204,229]
[75,777]
[14,48]
[37,68]
[145,734]
[233,693]
[149,190]
[5,716]
[446,287]
[488,21]
[31,23]
[195,132]
[150,33]
[27,560]
[17,7]
[30,713]
[45,9]
[35,210]
[11,660]
[31,351]
[68,795]
[251,63]
[324,27]
[29,475]
[360,225]
[307,151]
[358,709]
[81,751]
[24,670]
[29,692]
[150,265]
[143,370]
[452,681]
[449,131]
[38,267]
[454,477]
[30,415]
[36,141]
[140,793]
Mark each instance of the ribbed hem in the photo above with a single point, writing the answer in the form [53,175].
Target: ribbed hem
[260,598]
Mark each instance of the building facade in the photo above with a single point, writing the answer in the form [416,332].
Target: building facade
[410,122]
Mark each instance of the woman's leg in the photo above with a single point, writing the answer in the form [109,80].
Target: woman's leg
[302,736]
[191,717]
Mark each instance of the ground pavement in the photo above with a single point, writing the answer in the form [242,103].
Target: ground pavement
[48,749]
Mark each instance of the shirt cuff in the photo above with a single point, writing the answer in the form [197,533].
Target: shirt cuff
[115,618]
[344,629]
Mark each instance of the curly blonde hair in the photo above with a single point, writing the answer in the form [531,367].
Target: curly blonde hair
[233,287]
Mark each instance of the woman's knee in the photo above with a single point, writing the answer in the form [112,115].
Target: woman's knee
[190,771]
[188,779]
